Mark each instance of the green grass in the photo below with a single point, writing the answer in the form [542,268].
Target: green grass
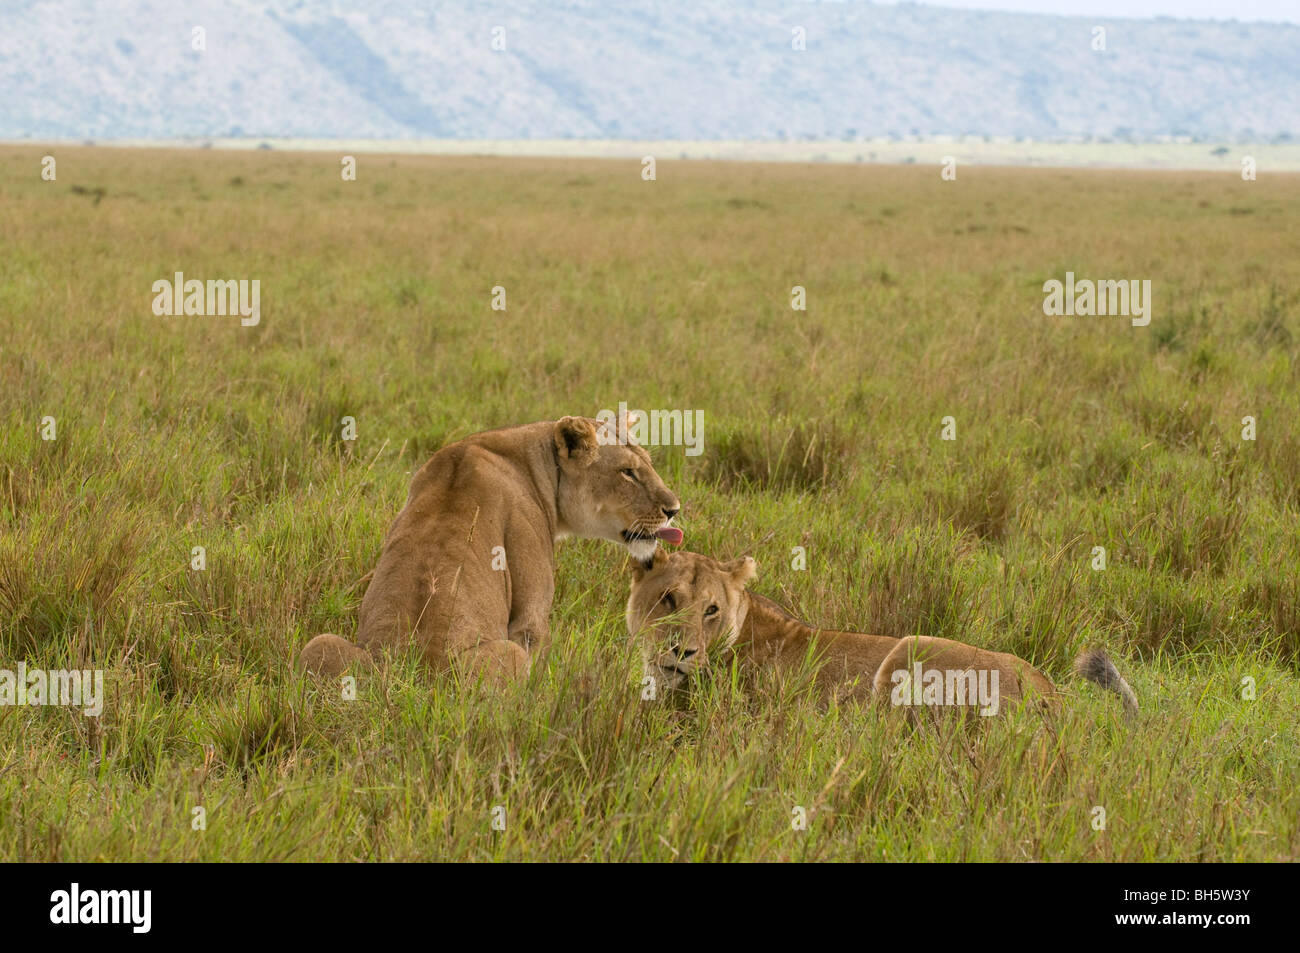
[821,431]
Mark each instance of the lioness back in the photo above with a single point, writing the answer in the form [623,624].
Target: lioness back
[420,576]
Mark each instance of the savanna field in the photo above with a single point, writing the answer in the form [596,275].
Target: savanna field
[821,430]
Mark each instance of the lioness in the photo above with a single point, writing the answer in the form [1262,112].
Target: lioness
[684,604]
[467,569]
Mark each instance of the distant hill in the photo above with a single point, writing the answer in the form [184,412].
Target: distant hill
[631,69]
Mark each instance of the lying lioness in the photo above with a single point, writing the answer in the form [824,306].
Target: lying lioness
[684,604]
[467,569]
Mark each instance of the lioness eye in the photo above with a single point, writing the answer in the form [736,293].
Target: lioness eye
[669,601]
[629,473]
[711,610]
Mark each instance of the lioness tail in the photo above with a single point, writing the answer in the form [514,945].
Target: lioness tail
[1095,665]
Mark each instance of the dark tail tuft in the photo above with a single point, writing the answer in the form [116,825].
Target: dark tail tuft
[1095,665]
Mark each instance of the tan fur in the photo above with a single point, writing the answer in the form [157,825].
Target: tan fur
[520,489]
[669,611]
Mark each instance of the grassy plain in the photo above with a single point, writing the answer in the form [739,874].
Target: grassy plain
[822,430]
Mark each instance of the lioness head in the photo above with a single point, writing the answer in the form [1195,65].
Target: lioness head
[683,605]
[610,490]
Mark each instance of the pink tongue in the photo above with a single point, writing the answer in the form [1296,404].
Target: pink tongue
[670,534]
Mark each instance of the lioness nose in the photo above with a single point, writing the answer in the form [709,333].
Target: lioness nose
[671,511]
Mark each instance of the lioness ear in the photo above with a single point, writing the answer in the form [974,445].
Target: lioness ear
[575,439]
[642,566]
[741,570]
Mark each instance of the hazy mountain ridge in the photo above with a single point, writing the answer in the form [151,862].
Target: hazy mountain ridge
[634,70]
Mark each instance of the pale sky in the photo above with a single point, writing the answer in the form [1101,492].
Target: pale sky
[1287,11]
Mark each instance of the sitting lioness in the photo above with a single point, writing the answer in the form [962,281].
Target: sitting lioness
[683,605]
[467,569]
